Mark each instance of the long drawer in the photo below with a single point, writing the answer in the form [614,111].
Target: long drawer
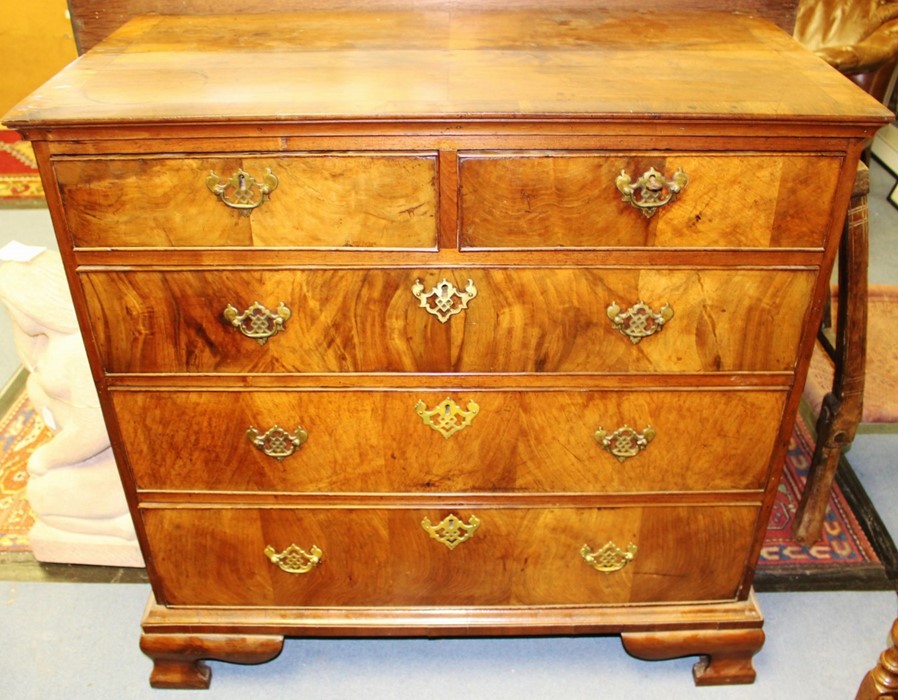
[458,320]
[450,441]
[284,200]
[509,556]
[569,199]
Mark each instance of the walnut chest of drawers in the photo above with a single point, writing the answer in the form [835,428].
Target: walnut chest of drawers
[449,323]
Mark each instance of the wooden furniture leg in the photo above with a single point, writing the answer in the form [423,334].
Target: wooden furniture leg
[726,655]
[178,658]
[882,681]
[842,408]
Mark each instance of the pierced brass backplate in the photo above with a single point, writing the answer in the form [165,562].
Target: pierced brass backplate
[294,560]
[625,442]
[448,417]
[444,300]
[651,191]
[639,321]
[258,322]
[242,191]
[609,558]
[451,530]
[277,442]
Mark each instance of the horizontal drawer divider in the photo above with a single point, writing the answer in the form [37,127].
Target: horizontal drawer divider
[91,259]
[446,382]
[282,500]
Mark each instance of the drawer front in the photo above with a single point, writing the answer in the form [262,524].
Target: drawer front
[507,441]
[519,320]
[386,557]
[564,199]
[318,201]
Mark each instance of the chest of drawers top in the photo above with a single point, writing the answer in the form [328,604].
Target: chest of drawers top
[693,68]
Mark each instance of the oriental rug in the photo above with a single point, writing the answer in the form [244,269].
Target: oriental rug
[855,551]
[20,185]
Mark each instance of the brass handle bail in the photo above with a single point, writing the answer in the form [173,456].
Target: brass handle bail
[651,191]
[609,558]
[639,321]
[258,322]
[277,442]
[625,442]
[295,560]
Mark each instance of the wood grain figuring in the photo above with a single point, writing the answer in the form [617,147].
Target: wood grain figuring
[732,201]
[385,557]
[94,20]
[178,659]
[522,320]
[320,201]
[514,444]
[448,65]
[443,141]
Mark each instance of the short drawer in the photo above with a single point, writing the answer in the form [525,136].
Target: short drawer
[746,200]
[514,556]
[462,320]
[318,201]
[398,441]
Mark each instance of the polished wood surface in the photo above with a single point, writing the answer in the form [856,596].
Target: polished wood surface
[524,556]
[94,20]
[881,682]
[462,146]
[540,201]
[539,320]
[447,65]
[512,445]
[378,201]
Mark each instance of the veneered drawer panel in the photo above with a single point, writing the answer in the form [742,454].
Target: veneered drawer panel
[320,201]
[565,199]
[515,441]
[521,320]
[385,557]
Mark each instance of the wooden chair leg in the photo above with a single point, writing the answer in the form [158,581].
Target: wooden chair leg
[882,681]
[842,408]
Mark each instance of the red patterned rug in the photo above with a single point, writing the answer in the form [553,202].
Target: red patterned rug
[855,551]
[21,431]
[20,185]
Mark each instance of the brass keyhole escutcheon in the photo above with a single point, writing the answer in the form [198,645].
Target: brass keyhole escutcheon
[444,300]
[451,530]
[242,191]
[447,417]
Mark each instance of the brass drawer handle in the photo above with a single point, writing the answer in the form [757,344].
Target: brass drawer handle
[444,300]
[451,530]
[625,442]
[242,191]
[294,560]
[609,558]
[447,418]
[277,442]
[639,321]
[651,191]
[258,322]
